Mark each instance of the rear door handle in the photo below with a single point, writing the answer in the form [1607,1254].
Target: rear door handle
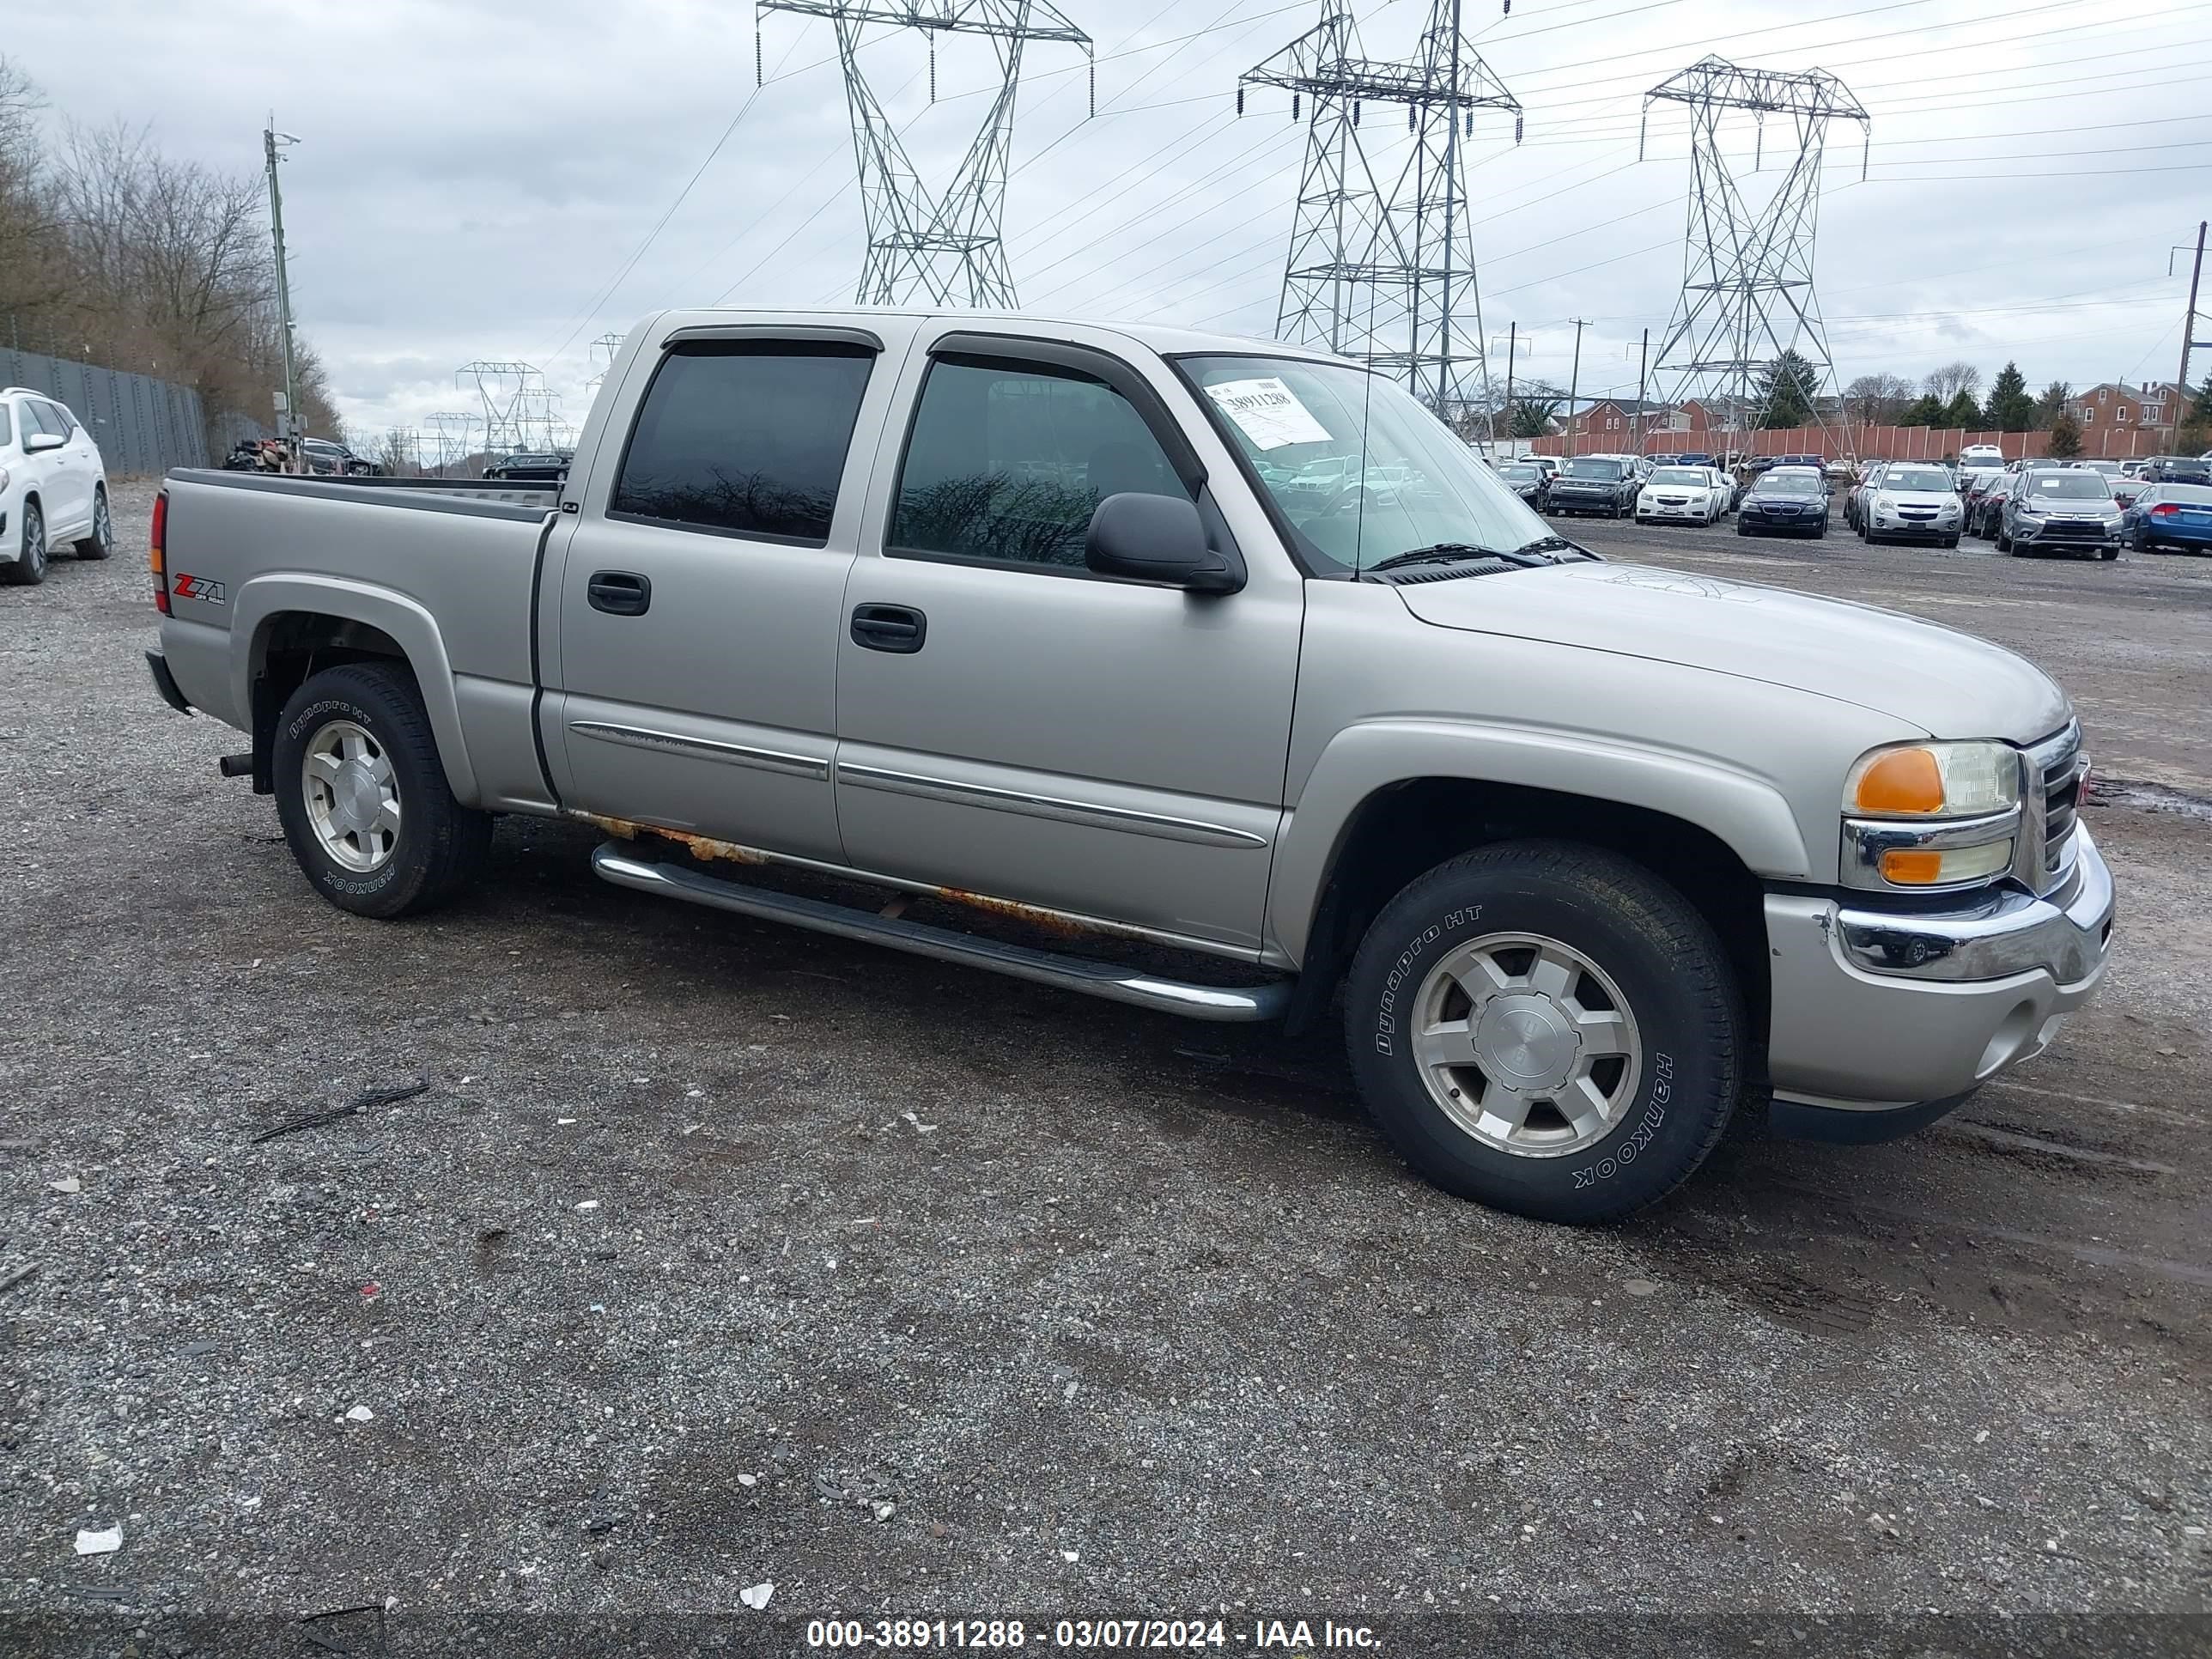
[898,629]
[620,592]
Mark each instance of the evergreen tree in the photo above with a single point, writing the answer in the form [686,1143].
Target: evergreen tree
[1924,411]
[1962,411]
[1786,391]
[2065,437]
[2011,410]
[2052,402]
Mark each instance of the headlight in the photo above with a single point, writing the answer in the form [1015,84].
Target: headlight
[1929,815]
[1886,503]
[2027,515]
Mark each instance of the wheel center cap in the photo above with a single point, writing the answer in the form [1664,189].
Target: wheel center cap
[1526,1043]
[356,798]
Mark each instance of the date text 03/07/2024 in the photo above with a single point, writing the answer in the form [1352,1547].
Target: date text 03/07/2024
[1293,1635]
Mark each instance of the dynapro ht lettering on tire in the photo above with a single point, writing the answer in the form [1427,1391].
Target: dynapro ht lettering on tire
[363,798]
[1548,1028]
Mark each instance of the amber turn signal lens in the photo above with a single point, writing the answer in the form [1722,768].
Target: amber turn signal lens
[1903,780]
[1912,868]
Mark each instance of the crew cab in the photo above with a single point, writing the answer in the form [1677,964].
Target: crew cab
[1025,624]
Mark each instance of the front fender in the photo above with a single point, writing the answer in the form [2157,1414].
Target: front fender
[1745,812]
[260,601]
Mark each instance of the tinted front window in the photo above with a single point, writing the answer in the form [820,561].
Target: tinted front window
[1007,461]
[748,438]
[1604,472]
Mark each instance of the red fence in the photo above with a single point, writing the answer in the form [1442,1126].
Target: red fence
[1889,443]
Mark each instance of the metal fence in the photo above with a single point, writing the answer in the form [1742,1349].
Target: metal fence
[143,426]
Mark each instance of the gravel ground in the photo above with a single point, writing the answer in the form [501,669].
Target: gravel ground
[717,1256]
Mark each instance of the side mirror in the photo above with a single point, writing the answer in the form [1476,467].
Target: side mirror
[1158,538]
[33,442]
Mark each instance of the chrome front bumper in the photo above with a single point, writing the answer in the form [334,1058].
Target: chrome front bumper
[1883,1012]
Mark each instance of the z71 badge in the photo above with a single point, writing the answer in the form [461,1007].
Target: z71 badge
[194,587]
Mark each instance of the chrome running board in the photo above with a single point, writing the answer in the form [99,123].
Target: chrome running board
[611,862]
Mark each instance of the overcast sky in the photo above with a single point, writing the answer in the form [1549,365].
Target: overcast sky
[473,179]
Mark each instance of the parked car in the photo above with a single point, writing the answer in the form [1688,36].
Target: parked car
[1789,500]
[53,487]
[1603,486]
[1549,463]
[1969,479]
[2169,517]
[533,465]
[1911,501]
[1693,494]
[1531,483]
[2176,469]
[324,458]
[2061,509]
[1986,507]
[1979,455]
[1005,607]
[1856,493]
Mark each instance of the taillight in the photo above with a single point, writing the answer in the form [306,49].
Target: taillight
[157,552]
[2165,510]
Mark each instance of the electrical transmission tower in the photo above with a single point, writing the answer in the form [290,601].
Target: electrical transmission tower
[1382,268]
[1747,273]
[449,434]
[948,249]
[603,359]
[510,394]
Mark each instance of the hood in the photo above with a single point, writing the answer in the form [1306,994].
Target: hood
[1946,683]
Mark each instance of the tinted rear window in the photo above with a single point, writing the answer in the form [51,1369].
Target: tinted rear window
[746,438]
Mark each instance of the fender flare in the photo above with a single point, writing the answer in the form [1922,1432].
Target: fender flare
[264,597]
[1745,813]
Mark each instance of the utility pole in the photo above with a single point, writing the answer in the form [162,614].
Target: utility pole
[1574,382]
[1642,376]
[2189,325]
[1509,380]
[288,427]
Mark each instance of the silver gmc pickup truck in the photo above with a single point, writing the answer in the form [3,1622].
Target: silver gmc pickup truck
[1210,643]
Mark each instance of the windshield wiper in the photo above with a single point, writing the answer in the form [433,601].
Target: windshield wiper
[1547,544]
[1438,553]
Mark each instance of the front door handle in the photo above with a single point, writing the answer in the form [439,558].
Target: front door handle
[620,592]
[899,629]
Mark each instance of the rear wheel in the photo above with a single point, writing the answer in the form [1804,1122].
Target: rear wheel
[101,542]
[364,797]
[30,567]
[1547,1027]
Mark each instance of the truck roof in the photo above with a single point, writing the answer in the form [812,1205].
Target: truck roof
[1159,338]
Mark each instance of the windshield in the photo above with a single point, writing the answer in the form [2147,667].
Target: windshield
[1607,471]
[1917,477]
[1358,469]
[1524,474]
[2070,487]
[1787,483]
[1689,475]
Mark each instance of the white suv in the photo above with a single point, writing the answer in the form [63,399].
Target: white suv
[54,486]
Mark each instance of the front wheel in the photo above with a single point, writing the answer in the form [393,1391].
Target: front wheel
[30,567]
[1547,1027]
[101,542]
[364,797]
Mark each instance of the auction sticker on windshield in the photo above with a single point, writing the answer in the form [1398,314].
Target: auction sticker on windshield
[1268,413]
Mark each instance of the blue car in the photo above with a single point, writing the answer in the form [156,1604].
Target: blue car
[2169,515]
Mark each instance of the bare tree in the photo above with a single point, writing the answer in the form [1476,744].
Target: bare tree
[110,251]
[1877,399]
[1953,378]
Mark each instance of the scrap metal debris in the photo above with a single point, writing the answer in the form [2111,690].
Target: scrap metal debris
[98,1541]
[353,1108]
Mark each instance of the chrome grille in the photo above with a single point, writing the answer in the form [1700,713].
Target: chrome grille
[2056,769]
